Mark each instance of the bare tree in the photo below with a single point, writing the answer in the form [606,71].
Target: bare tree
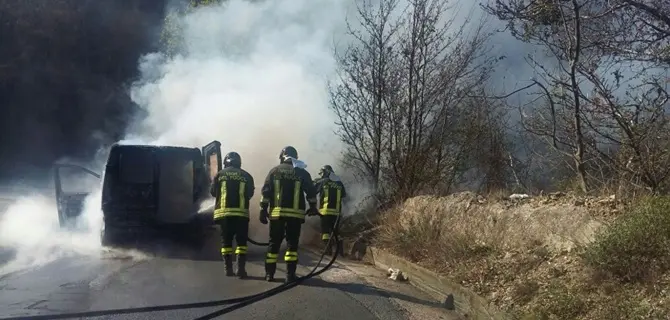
[615,109]
[362,97]
[443,61]
[636,30]
[630,115]
[630,110]
[556,26]
[401,99]
[492,158]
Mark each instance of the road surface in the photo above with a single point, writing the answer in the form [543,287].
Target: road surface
[86,284]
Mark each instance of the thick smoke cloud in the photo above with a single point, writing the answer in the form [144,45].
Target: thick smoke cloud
[64,67]
[251,75]
[259,88]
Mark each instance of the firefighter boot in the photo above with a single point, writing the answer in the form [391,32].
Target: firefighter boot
[270,269]
[241,266]
[228,260]
[291,267]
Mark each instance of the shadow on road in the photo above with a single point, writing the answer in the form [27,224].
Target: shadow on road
[309,261]
[358,288]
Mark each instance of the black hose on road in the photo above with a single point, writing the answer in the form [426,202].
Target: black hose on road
[237,303]
[284,287]
[260,244]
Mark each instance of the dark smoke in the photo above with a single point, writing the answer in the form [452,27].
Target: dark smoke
[65,66]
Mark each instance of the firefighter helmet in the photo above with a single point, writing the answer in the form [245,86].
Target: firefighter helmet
[326,171]
[288,151]
[232,159]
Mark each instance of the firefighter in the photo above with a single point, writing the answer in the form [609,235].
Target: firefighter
[233,187]
[283,202]
[331,192]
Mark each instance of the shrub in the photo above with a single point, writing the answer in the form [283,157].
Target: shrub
[425,238]
[559,302]
[636,247]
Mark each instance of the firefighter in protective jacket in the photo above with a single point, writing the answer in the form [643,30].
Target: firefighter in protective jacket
[233,187]
[331,192]
[283,202]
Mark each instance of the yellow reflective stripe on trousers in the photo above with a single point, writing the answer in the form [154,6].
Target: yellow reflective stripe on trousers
[271,258]
[291,256]
[241,250]
[227,250]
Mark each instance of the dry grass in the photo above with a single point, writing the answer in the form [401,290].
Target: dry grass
[545,258]
[475,225]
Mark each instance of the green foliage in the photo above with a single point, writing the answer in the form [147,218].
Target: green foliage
[636,248]
[197,3]
[171,37]
[559,302]
[544,12]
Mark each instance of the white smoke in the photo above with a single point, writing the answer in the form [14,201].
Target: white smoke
[30,228]
[252,75]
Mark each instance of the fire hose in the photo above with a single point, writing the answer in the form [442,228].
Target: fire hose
[232,304]
[256,243]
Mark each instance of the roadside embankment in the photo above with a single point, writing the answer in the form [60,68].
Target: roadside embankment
[558,256]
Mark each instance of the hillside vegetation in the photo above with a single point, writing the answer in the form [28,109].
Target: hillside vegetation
[557,256]
[422,116]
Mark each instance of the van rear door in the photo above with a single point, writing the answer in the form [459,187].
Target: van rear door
[129,194]
[73,183]
[213,160]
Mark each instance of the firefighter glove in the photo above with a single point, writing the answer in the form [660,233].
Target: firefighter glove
[264,216]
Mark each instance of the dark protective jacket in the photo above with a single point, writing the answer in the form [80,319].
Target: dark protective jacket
[233,188]
[285,189]
[331,194]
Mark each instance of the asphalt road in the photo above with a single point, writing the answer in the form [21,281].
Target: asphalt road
[87,284]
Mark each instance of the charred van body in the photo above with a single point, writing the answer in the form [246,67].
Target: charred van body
[151,193]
